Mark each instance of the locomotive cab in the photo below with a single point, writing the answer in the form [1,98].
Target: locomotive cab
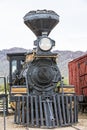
[17,86]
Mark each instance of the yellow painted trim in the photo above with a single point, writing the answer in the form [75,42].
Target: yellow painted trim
[18,90]
[68,90]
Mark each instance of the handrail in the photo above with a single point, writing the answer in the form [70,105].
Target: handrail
[4,83]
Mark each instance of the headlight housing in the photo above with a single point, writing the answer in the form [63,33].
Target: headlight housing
[45,44]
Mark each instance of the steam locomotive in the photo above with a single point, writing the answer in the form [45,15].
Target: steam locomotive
[34,76]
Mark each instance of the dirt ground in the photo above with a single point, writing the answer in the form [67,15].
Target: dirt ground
[81,125]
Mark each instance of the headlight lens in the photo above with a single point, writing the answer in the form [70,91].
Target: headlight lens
[45,44]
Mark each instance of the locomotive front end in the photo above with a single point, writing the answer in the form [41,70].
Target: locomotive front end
[43,73]
[41,106]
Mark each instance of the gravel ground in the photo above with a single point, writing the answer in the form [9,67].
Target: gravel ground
[81,125]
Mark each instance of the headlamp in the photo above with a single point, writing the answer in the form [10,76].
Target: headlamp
[45,44]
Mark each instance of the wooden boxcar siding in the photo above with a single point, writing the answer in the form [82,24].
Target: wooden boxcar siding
[78,74]
[73,80]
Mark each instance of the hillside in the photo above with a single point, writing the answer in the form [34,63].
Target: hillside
[63,58]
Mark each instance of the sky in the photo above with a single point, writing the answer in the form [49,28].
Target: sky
[69,34]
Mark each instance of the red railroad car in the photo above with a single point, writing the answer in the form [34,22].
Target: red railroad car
[78,75]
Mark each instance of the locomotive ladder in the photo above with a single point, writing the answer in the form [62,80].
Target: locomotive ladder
[46,111]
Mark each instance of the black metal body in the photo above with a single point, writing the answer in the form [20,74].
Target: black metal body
[43,75]
[41,106]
